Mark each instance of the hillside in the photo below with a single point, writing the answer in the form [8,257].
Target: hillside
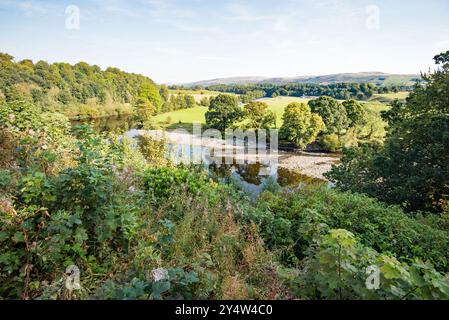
[377,78]
[78,91]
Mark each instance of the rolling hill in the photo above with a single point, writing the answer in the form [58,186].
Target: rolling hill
[378,78]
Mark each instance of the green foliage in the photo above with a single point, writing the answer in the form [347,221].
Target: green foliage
[331,142]
[150,93]
[301,126]
[412,169]
[336,268]
[340,91]
[144,112]
[259,116]
[205,102]
[5,179]
[180,102]
[252,95]
[224,112]
[383,228]
[23,115]
[352,172]
[178,285]
[162,183]
[356,113]
[140,229]
[334,114]
[78,91]
[153,150]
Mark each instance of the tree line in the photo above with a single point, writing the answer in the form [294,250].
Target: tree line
[324,120]
[85,91]
[342,91]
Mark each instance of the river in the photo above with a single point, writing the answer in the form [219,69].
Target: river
[252,173]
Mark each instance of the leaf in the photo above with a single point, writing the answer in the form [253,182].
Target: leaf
[18,237]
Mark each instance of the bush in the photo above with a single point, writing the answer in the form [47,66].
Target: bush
[331,143]
[336,268]
[161,183]
[384,228]
[154,150]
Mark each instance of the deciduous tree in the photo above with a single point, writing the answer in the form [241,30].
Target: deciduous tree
[259,116]
[301,126]
[224,111]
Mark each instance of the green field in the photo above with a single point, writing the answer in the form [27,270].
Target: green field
[390,97]
[198,94]
[187,116]
[183,116]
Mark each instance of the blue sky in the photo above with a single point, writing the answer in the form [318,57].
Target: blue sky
[189,40]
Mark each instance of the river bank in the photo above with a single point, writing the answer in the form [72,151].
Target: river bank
[313,165]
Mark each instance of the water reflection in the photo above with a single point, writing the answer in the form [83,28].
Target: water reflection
[109,124]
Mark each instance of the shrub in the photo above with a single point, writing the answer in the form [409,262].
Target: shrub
[331,142]
[161,183]
[384,228]
[336,268]
[154,150]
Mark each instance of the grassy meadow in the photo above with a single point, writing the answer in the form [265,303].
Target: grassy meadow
[277,105]
[390,97]
[197,94]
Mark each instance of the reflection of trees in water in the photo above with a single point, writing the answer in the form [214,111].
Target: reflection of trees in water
[109,124]
[288,178]
[249,172]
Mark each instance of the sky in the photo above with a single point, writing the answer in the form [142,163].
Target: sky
[178,41]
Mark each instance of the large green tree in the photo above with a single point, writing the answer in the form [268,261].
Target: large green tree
[355,112]
[259,115]
[224,112]
[413,166]
[149,91]
[144,110]
[333,114]
[301,126]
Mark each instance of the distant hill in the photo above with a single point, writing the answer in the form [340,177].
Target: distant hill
[378,78]
[233,80]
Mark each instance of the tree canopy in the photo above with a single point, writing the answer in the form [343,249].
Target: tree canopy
[333,114]
[355,112]
[224,111]
[259,116]
[413,167]
[301,126]
[64,87]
